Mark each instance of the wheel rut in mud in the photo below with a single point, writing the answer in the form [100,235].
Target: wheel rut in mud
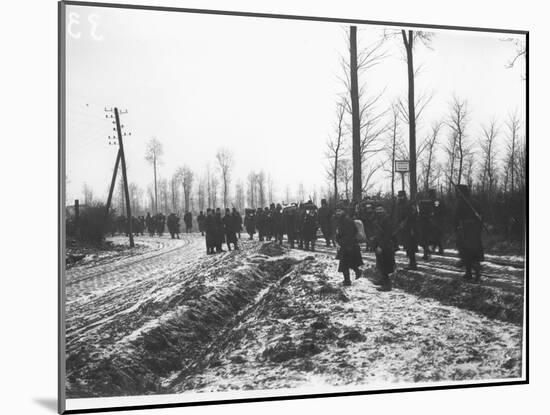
[195,318]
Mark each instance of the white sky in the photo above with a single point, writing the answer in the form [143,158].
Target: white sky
[265,88]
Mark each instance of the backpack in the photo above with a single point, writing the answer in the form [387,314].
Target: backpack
[360,236]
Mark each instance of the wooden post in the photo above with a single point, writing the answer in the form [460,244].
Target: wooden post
[124,178]
[112,188]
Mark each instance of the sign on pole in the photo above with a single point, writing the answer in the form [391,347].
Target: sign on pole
[401,166]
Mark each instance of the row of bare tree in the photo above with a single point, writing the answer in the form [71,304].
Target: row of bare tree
[367,137]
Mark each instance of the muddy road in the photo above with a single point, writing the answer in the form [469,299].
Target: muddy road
[167,318]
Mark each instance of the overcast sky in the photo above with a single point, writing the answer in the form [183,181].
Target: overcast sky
[265,88]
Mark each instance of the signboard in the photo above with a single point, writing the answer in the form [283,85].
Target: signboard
[401,166]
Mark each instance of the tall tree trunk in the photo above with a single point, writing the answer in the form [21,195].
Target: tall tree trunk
[412,116]
[394,139]
[156,194]
[513,161]
[356,127]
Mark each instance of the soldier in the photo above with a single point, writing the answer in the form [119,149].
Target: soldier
[219,234]
[135,225]
[333,225]
[188,220]
[250,222]
[277,224]
[310,225]
[238,221]
[171,223]
[325,214]
[149,224]
[210,230]
[161,222]
[300,224]
[121,224]
[141,221]
[438,224]
[268,223]
[229,228]
[468,226]
[402,210]
[290,223]
[425,225]
[410,232]
[200,221]
[349,252]
[177,226]
[260,224]
[384,249]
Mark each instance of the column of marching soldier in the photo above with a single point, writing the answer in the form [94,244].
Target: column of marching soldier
[411,224]
[419,222]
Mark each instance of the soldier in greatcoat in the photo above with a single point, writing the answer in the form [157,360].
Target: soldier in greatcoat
[349,252]
[230,229]
[468,227]
[325,215]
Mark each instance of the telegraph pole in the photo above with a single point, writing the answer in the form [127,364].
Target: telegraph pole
[121,159]
[113,180]
[124,178]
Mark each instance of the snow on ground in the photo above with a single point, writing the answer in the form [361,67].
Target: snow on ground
[312,330]
[173,319]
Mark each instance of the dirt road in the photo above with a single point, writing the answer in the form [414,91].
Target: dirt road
[165,317]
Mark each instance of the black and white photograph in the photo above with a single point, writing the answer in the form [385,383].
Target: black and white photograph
[258,206]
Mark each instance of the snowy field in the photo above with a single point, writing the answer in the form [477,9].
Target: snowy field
[166,318]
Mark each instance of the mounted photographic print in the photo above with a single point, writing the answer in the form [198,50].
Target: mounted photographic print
[260,206]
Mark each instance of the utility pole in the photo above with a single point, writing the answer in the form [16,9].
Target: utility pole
[113,180]
[122,160]
[124,178]
[356,126]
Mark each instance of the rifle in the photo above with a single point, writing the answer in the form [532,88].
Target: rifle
[469,204]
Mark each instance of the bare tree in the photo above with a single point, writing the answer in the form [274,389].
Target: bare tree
[209,186]
[469,166]
[225,164]
[409,38]
[346,175]
[214,184]
[201,190]
[287,194]
[362,116]
[431,142]
[134,191]
[270,189]
[520,51]
[174,194]
[260,181]
[186,177]
[163,191]
[394,145]
[512,125]
[239,196]
[368,174]
[301,192]
[88,193]
[458,149]
[488,153]
[251,181]
[335,147]
[153,155]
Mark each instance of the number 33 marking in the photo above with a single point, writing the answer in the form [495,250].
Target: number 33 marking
[74,20]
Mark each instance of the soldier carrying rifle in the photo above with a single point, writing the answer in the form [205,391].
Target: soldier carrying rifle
[468,226]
